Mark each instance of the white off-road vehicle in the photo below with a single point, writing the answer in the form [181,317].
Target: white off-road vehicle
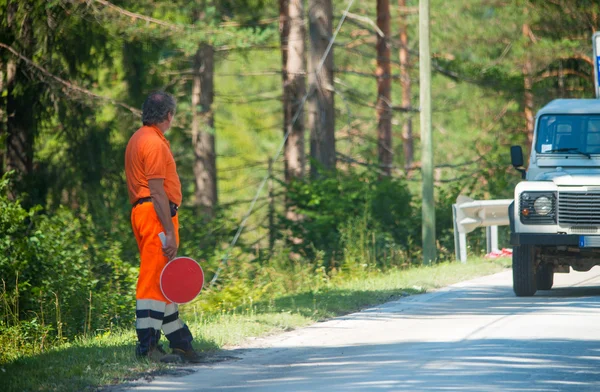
[555,216]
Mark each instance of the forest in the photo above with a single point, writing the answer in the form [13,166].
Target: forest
[296,139]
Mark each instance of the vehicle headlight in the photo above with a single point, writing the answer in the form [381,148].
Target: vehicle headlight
[537,208]
[542,205]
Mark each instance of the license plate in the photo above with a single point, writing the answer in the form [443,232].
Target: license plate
[589,241]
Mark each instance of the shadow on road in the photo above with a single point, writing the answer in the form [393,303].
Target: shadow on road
[488,300]
[472,365]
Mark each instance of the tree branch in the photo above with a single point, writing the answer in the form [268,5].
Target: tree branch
[581,57]
[367,20]
[137,16]
[239,24]
[556,73]
[173,26]
[67,84]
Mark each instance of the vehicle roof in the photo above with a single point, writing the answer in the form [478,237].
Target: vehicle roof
[571,106]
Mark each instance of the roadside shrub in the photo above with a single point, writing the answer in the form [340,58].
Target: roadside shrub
[245,281]
[204,238]
[56,277]
[333,205]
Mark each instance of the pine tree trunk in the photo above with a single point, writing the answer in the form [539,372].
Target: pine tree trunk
[203,135]
[20,134]
[284,33]
[2,115]
[17,158]
[528,100]
[384,88]
[321,116]
[292,35]
[528,88]
[296,68]
[407,136]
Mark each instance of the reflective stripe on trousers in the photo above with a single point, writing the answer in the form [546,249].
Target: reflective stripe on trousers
[152,316]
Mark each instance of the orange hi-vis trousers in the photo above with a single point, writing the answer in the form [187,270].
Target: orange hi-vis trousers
[153,311]
[146,227]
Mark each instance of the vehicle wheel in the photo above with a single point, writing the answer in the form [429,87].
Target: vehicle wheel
[523,267]
[545,277]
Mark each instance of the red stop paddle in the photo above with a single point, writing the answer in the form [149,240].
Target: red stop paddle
[181,280]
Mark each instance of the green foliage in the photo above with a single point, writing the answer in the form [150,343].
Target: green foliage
[26,338]
[247,11]
[57,280]
[202,237]
[332,208]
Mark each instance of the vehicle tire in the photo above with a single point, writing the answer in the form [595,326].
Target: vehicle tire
[523,267]
[545,277]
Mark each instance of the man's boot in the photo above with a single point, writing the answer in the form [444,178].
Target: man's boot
[158,354]
[189,355]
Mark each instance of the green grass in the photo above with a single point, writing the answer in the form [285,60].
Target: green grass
[90,363]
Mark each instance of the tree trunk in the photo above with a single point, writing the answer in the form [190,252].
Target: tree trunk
[384,88]
[284,33]
[293,69]
[292,46]
[407,136]
[2,117]
[528,88]
[17,158]
[19,124]
[321,117]
[203,133]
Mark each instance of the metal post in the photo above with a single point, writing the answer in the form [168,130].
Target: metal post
[456,241]
[491,238]
[462,239]
[428,209]
[495,238]
[596,51]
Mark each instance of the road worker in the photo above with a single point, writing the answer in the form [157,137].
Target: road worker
[155,195]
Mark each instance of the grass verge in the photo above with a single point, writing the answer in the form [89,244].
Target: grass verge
[89,364]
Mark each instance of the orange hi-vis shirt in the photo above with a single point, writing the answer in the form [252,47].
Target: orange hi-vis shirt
[148,156]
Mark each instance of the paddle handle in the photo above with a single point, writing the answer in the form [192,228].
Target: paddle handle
[163,239]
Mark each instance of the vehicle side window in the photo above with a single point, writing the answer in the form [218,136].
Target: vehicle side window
[546,134]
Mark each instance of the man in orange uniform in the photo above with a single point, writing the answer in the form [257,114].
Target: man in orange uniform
[155,194]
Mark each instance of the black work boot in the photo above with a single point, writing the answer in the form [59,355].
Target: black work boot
[189,355]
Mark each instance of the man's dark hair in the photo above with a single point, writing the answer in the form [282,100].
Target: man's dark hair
[157,107]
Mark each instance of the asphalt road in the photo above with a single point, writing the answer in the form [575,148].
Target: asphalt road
[473,336]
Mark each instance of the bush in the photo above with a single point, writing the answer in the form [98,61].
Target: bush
[337,213]
[57,275]
[203,238]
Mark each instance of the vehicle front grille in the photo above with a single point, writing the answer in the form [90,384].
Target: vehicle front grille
[579,208]
[584,229]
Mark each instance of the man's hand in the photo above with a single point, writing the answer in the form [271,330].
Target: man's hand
[170,248]
[163,211]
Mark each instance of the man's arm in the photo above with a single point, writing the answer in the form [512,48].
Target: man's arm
[163,210]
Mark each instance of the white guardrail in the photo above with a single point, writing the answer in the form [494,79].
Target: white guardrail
[470,214]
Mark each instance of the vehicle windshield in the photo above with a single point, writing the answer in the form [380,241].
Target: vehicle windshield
[568,133]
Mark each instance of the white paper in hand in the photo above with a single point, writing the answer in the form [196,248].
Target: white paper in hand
[163,238]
